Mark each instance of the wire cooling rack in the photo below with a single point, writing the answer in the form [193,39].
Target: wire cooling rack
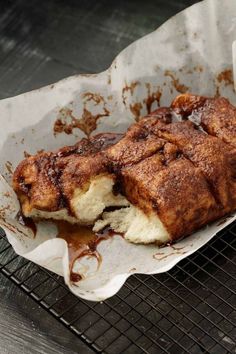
[190,309]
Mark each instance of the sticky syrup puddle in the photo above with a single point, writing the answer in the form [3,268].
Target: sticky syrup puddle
[81,241]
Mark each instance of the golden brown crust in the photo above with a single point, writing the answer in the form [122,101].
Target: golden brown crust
[216,115]
[185,175]
[78,172]
[45,181]
[189,182]
[176,191]
[138,143]
[186,103]
[208,153]
[34,181]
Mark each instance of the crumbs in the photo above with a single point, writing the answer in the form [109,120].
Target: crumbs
[3,209]
[6,194]
[3,212]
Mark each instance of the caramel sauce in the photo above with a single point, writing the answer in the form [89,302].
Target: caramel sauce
[152,97]
[136,110]
[222,221]
[226,76]
[161,255]
[181,88]
[28,222]
[66,121]
[81,241]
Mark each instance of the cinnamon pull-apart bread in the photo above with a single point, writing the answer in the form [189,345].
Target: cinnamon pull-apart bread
[163,179]
[72,183]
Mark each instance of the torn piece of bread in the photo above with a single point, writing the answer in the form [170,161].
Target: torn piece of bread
[177,193]
[188,183]
[135,225]
[71,184]
[88,205]
[166,179]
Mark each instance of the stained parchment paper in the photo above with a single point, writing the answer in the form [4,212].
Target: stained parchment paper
[192,52]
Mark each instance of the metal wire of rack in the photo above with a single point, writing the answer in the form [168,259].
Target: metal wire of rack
[190,309]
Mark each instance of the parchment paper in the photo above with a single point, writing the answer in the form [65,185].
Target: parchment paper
[192,52]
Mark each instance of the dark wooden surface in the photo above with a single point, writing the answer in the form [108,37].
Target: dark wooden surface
[26,328]
[40,43]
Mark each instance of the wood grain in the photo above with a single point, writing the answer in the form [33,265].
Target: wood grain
[26,328]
